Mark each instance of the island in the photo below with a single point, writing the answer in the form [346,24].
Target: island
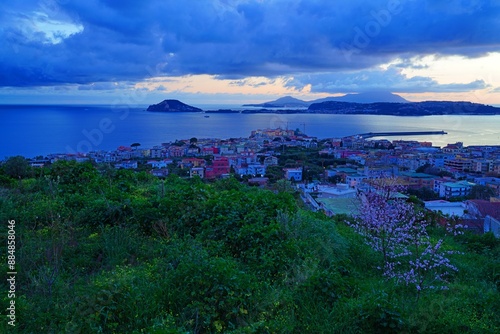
[173,106]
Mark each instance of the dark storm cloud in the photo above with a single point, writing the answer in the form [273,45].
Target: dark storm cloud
[132,40]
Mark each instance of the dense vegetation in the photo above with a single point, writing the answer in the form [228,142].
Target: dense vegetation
[107,251]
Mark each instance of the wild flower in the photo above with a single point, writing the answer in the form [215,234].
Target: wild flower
[393,227]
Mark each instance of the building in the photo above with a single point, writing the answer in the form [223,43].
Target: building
[160,172]
[446,208]
[341,190]
[418,180]
[127,165]
[293,174]
[487,212]
[219,167]
[455,189]
[197,171]
[258,181]
[492,182]
[458,164]
[110,158]
[438,160]
[492,225]
[270,161]
[436,183]
[453,148]
[482,166]
[251,169]
[354,180]
[272,133]
[175,151]
[209,150]
[160,163]
[192,162]
[156,152]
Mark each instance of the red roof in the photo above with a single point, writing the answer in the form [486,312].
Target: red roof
[487,208]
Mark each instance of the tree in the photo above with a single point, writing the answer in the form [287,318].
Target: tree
[274,173]
[135,145]
[481,192]
[428,169]
[284,186]
[335,179]
[193,140]
[424,193]
[16,167]
[73,175]
[392,226]
[444,173]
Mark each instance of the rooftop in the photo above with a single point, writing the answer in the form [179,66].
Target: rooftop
[348,206]
[418,175]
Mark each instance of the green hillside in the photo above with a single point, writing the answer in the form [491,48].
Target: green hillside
[105,251]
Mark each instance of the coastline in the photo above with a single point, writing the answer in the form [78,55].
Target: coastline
[43,130]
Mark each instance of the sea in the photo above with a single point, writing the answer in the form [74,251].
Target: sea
[39,130]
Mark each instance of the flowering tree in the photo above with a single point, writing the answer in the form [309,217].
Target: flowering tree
[393,227]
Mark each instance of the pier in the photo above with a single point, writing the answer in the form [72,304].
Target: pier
[401,133]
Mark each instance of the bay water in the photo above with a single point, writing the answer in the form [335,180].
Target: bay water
[31,130]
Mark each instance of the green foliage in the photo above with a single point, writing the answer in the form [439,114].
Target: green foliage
[480,243]
[106,251]
[481,192]
[424,194]
[16,167]
[210,294]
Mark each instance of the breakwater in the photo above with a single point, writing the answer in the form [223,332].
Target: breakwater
[401,133]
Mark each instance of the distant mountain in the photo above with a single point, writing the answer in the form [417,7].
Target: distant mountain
[341,107]
[282,102]
[172,106]
[368,97]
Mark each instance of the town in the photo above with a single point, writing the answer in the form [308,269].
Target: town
[458,181]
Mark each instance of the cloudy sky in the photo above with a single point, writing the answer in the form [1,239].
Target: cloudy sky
[235,51]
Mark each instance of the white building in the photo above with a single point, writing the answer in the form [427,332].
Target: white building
[340,191]
[197,171]
[445,207]
[159,164]
[127,165]
[455,189]
[293,173]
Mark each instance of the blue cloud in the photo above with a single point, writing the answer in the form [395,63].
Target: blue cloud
[378,80]
[133,40]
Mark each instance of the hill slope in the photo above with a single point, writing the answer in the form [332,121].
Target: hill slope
[129,253]
[405,109]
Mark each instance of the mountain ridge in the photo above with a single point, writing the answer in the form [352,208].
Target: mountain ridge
[366,97]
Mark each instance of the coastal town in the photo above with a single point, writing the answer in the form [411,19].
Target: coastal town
[456,180]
